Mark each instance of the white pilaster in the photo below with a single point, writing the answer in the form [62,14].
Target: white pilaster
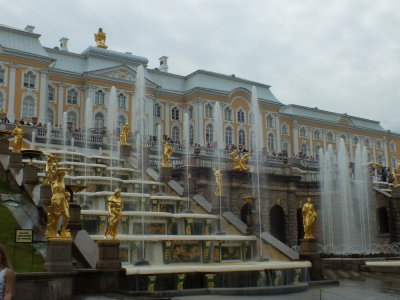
[167,130]
[278,134]
[11,94]
[295,139]
[385,150]
[60,103]
[373,144]
[310,137]
[43,97]
[351,137]
[324,133]
[200,129]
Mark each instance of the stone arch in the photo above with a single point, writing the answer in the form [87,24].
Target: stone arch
[277,223]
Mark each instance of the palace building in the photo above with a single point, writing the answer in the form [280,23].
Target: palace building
[38,84]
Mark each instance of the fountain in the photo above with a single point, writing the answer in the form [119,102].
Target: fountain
[347,208]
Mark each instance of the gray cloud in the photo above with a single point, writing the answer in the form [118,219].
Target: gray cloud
[341,55]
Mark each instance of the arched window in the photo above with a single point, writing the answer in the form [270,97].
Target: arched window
[229,136]
[99,97]
[2,100]
[383,218]
[284,129]
[72,96]
[50,116]
[50,93]
[344,137]
[271,142]
[228,114]
[157,110]
[121,98]
[330,136]
[378,144]
[209,111]
[175,134]
[367,143]
[191,133]
[190,112]
[392,147]
[285,147]
[303,132]
[270,121]
[209,133]
[278,223]
[304,149]
[317,134]
[71,117]
[240,116]
[242,137]
[2,75]
[393,162]
[28,107]
[175,113]
[29,80]
[121,122]
[99,121]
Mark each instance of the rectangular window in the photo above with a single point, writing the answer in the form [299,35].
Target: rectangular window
[2,74]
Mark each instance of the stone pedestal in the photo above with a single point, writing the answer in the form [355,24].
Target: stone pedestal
[30,175]
[166,174]
[308,251]
[45,196]
[108,254]
[4,146]
[15,160]
[75,222]
[125,151]
[58,255]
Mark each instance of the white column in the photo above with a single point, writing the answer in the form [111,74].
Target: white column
[351,137]
[295,139]
[150,114]
[324,133]
[386,151]
[373,149]
[43,97]
[278,134]
[199,122]
[60,103]
[310,136]
[167,114]
[11,93]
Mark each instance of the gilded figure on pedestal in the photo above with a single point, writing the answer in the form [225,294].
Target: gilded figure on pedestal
[18,134]
[114,207]
[218,181]
[240,163]
[166,156]
[51,167]
[100,39]
[309,218]
[124,135]
[59,206]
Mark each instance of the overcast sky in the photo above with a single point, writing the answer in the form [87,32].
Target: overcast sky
[337,55]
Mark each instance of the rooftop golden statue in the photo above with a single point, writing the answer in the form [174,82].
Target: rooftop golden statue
[114,207]
[240,163]
[100,39]
[309,218]
[59,206]
[123,137]
[166,156]
[18,134]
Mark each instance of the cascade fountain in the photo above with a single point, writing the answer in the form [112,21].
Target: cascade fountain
[346,205]
[256,150]
[186,143]
[219,138]
[111,125]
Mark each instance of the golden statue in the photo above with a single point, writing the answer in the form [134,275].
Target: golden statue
[218,180]
[166,156]
[395,178]
[240,163]
[114,207]
[100,39]
[18,134]
[59,206]
[51,167]
[309,218]
[126,130]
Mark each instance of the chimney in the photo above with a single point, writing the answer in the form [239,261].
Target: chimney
[64,44]
[164,64]
[29,28]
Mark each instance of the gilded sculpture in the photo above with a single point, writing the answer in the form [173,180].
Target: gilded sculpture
[100,39]
[240,163]
[309,218]
[124,135]
[395,177]
[18,134]
[218,181]
[59,206]
[166,156]
[114,207]
[51,167]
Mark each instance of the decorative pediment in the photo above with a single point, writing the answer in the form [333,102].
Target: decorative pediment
[345,121]
[120,74]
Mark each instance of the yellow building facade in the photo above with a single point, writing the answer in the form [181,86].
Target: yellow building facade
[46,84]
